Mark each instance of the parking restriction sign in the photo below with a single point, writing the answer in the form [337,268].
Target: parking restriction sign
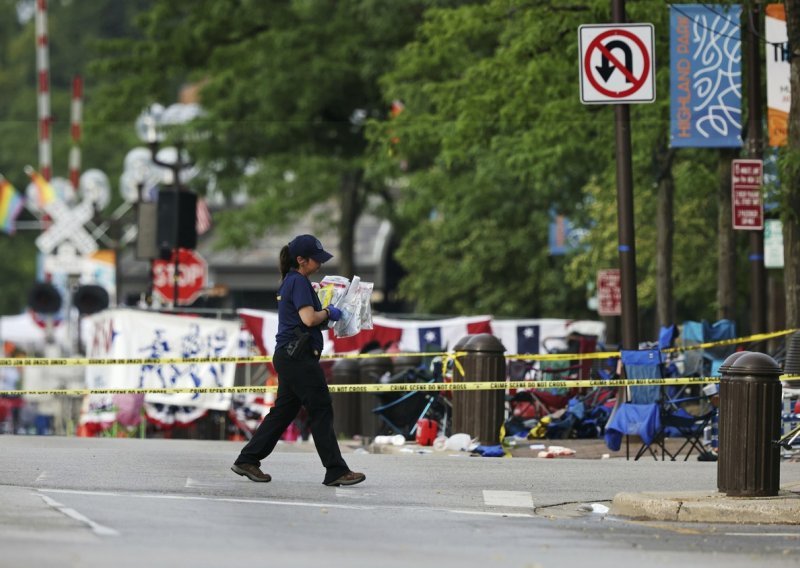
[747,177]
[617,64]
[609,292]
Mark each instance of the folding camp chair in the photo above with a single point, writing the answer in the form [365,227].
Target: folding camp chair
[678,421]
[706,362]
[656,413]
[641,416]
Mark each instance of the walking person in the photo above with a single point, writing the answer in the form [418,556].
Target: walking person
[301,381]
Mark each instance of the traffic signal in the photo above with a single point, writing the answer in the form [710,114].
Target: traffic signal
[44,298]
[90,299]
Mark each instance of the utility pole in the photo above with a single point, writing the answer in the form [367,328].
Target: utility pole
[754,150]
[627,246]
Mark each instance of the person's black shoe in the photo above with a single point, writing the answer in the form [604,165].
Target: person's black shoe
[707,457]
[251,471]
[349,478]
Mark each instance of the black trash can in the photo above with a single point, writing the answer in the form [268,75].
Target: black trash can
[461,400]
[749,425]
[346,406]
[480,413]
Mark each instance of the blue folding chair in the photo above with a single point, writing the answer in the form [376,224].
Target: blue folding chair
[641,416]
[706,362]
[655,413]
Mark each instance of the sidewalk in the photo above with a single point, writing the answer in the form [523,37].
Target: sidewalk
[589,449]
[708,507]
[685,506]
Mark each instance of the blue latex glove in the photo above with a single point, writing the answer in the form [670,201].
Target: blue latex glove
[334,313]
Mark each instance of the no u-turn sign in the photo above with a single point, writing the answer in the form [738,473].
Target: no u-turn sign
[617,64]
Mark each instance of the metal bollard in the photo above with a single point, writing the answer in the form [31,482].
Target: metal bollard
[370,371]
[749,425]
[480,413]
[346,406]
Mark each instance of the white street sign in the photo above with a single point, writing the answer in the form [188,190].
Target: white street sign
[617,63]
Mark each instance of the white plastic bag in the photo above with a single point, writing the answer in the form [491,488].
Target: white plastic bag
[332,289]
[353,298]
[366,306]
[350,304]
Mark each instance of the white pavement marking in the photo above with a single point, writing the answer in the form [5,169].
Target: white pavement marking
[285,503]
[352,493]
[790,535]
[522,499]
[42,477]
[97,528]
[491,514]
[195,483]
[199,498]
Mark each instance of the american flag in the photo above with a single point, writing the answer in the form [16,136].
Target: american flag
[203,223]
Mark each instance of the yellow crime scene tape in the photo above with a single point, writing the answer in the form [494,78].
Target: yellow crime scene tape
[370,388]
[83,361]
[679,349]
[395,387]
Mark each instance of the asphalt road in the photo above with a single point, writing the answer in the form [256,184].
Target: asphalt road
[102,502]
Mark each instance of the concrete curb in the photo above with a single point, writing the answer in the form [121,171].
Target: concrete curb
[708,507]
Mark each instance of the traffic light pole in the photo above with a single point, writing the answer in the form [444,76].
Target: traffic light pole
[627,245]
[176,187]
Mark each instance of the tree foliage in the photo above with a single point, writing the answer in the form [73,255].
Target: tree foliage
[493,137]
[73,29]
[286,87]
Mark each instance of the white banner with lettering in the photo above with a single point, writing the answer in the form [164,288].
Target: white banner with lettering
[124,334]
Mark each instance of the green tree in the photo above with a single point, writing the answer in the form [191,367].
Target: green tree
[493,136]
[73,29]
[286,86]
[790,161]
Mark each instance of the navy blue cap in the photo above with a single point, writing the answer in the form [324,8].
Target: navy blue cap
[308,246]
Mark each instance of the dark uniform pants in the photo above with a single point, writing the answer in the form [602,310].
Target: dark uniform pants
[301,382]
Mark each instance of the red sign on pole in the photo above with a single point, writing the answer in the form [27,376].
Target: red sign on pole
[609,292]
[747,177]
[192,277]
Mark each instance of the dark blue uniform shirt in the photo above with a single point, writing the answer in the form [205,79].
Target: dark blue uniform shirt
[295,293]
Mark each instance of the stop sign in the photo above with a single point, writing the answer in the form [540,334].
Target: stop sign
[192,277]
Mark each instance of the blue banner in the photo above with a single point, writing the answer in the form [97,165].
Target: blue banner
[563,236]
[705,76]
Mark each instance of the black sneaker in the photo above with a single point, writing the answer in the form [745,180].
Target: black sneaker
[251,471]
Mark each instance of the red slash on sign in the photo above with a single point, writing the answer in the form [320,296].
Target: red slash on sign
[632,47]
[617,63]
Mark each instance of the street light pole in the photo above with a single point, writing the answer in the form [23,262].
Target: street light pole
[627,244]
[755,147]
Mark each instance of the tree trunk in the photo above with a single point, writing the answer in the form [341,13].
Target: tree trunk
[791,176]
[665,227]
[726,267]
[351,204]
